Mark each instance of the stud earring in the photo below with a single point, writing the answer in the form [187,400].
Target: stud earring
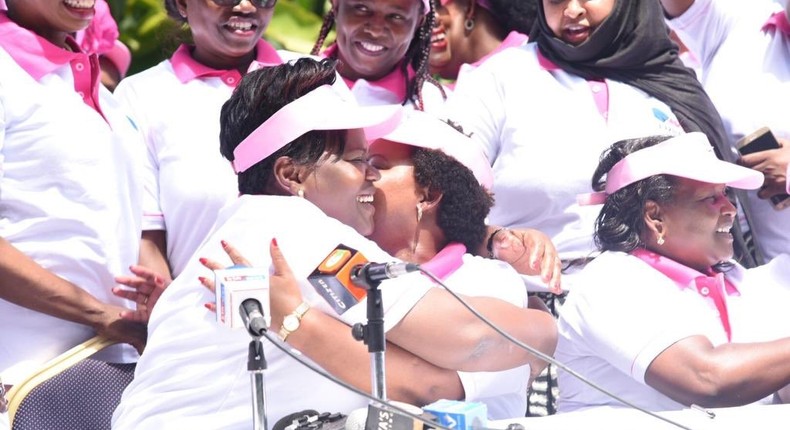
[660,241]
[469,24]
[300,193]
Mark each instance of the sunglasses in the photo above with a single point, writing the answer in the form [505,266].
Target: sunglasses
[263,4]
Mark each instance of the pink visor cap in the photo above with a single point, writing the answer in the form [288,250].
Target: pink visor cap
[325,108]
[426,131]
[688,156]
[482,3]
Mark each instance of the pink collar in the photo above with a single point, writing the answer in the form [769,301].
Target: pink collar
[709,285]
[32,52]
[779,22]
[187,68]
[513,39]
[447,261]
[394,82]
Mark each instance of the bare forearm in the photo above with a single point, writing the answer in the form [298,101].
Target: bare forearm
[727,375]
[462,341]
[410,379]
[27,284]
[153,253]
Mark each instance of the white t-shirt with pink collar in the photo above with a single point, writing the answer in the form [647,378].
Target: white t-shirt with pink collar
[543,130]
[69,189]
[625,313]
[746,72]
[177,106]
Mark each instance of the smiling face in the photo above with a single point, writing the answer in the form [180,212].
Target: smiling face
[374,35]
[574,21]
[696,225]
[52,19]
[448,39]
[396,196]
[224,36]
[342,186]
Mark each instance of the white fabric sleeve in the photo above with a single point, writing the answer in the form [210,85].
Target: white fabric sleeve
[477,105]
[483,385]
[153,216]
[703,28]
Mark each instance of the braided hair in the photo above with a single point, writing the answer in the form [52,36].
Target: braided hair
[416,56]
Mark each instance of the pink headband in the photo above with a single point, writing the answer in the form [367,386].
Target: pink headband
[324,108]
[688,156]
[426,131]
[482,3]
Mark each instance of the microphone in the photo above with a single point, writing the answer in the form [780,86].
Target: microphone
[252,314]
[332,278]
[234,286]
[371,273]
[380,417]
[459,415]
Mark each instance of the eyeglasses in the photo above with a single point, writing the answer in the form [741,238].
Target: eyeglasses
[263,4]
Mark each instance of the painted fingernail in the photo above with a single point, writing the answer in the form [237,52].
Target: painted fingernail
[274,242]
[202,260]
[223,243]
[202,279]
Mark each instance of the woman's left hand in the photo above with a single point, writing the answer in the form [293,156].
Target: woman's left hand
[144,289]
[530,252]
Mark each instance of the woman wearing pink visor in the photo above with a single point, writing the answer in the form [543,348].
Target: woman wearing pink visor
[299,148]
[431,208]
[663,317]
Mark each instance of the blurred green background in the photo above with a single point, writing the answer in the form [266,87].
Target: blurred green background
[152,36]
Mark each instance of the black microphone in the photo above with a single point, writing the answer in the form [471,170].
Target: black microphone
[252,314]
[374,273]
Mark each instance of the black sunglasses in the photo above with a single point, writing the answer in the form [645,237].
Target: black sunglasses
[263,4]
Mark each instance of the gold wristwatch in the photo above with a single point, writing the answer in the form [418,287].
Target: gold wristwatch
[292,321]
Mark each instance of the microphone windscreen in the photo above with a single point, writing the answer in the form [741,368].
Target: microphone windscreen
[356,419]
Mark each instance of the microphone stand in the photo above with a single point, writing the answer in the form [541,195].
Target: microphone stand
[372,333]
[256,364]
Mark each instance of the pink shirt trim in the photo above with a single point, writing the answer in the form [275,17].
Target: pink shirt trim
[446,261]
[779,22]
[598,87]
[39,57]
[187,68]
[512,40]
[787,179]
[394,82]
[712,286]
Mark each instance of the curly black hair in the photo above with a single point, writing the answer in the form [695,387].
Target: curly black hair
[259,95]
[620,223]
[464,204]
[515,15]
[416,56]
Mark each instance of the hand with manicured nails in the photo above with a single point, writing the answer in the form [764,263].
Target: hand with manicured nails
[530,252]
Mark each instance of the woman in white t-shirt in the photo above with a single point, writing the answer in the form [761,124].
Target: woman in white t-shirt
[744,48]
[296,142]
[176,105]
[69,192]
[664,318]
[383,48]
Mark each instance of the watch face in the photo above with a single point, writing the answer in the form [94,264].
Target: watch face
[291,322]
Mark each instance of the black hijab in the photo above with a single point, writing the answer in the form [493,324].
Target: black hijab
[632,46]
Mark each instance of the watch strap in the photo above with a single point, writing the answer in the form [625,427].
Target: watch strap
[298,313]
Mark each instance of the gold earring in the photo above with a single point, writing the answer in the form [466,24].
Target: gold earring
[660,241]
[419,213]
[300,193]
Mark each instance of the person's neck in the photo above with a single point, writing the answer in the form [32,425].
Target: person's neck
[486,37]
[242,64]
[422,248]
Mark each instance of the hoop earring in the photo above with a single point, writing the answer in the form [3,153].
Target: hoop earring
[300,193]
[660,241]
[469,24]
